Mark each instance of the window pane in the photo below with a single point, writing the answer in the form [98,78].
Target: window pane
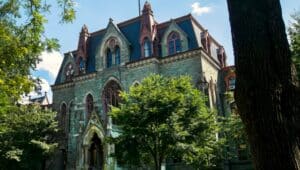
[174,43]
[109,58]
[118,56]
[171,47]
[147,48]
[178,45]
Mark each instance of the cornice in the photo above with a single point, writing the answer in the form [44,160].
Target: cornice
[199,52]
[143,62]
[172,58]
[62,86]
[75,79]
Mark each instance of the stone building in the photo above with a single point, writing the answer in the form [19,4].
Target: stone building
[113,59]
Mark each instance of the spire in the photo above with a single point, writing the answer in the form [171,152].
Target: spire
[82,49]
[147,8]
[84,30]
[148,27]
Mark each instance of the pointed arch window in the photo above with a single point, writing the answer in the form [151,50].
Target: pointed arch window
[89,105]
[174,43]
[108,58]
[117,55]
[147,48]
[70,114]
[63,114]
[110,95]
[81,65]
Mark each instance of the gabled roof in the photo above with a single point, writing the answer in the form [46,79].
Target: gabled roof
[131,30]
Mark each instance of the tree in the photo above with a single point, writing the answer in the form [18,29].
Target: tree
[165,117]
[27,138]
[266,92]
[234,134]
[21,42]
[294,33]
[24,129]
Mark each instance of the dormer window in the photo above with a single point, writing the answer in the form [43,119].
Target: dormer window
[147,48]
[81,65]
[69,71]
[174,43]
[205,40]
[113,53]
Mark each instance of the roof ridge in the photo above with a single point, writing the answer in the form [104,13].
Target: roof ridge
[121,24]
[163,24]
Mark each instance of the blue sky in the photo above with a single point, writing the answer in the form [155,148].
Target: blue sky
[211,14]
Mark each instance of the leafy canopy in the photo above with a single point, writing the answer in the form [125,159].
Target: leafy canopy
[27,137]
[25,131]
[21,42]
[294,33]
[165,117]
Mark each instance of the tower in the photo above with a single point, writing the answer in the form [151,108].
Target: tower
[148,32]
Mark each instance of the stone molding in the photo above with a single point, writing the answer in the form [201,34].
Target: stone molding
[199,52]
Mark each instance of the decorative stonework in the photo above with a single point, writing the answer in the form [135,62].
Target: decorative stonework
[112,32]
[195,62]
[183,37]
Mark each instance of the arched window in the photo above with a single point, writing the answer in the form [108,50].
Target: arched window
[108,58]
[89,106]
[81,65]
[117,55]
[70,114]
[63,115]
[110,96]
[147,48]
[174,43]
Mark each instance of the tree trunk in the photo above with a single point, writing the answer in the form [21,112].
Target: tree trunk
[266,97]
[157,155]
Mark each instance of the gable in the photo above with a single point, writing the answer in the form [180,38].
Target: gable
[173,27]
[112,31]
[68,58]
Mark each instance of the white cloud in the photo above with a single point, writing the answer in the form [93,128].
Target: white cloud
[51,62]
[199,10]
[45,88]
[45,85]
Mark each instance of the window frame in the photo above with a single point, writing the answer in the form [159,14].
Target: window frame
[147,50]
[174,43]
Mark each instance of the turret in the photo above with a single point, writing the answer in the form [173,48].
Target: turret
[82,50]
[148,31]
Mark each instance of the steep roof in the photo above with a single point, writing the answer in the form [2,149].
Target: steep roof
[131,30]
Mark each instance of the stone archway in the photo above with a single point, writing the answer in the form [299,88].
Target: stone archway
[95,154]
[92,154]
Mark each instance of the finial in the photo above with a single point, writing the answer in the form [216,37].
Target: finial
[147,8]
[111,20]
[84,28]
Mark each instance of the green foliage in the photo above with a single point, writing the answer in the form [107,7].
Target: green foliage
[25,131]
[294,33]
[165,117]
[27,137]
[21,42]
[233,133]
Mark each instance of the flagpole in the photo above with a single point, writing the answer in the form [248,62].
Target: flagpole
[139,7]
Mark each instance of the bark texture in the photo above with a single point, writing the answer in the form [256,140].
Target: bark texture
[266,96]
